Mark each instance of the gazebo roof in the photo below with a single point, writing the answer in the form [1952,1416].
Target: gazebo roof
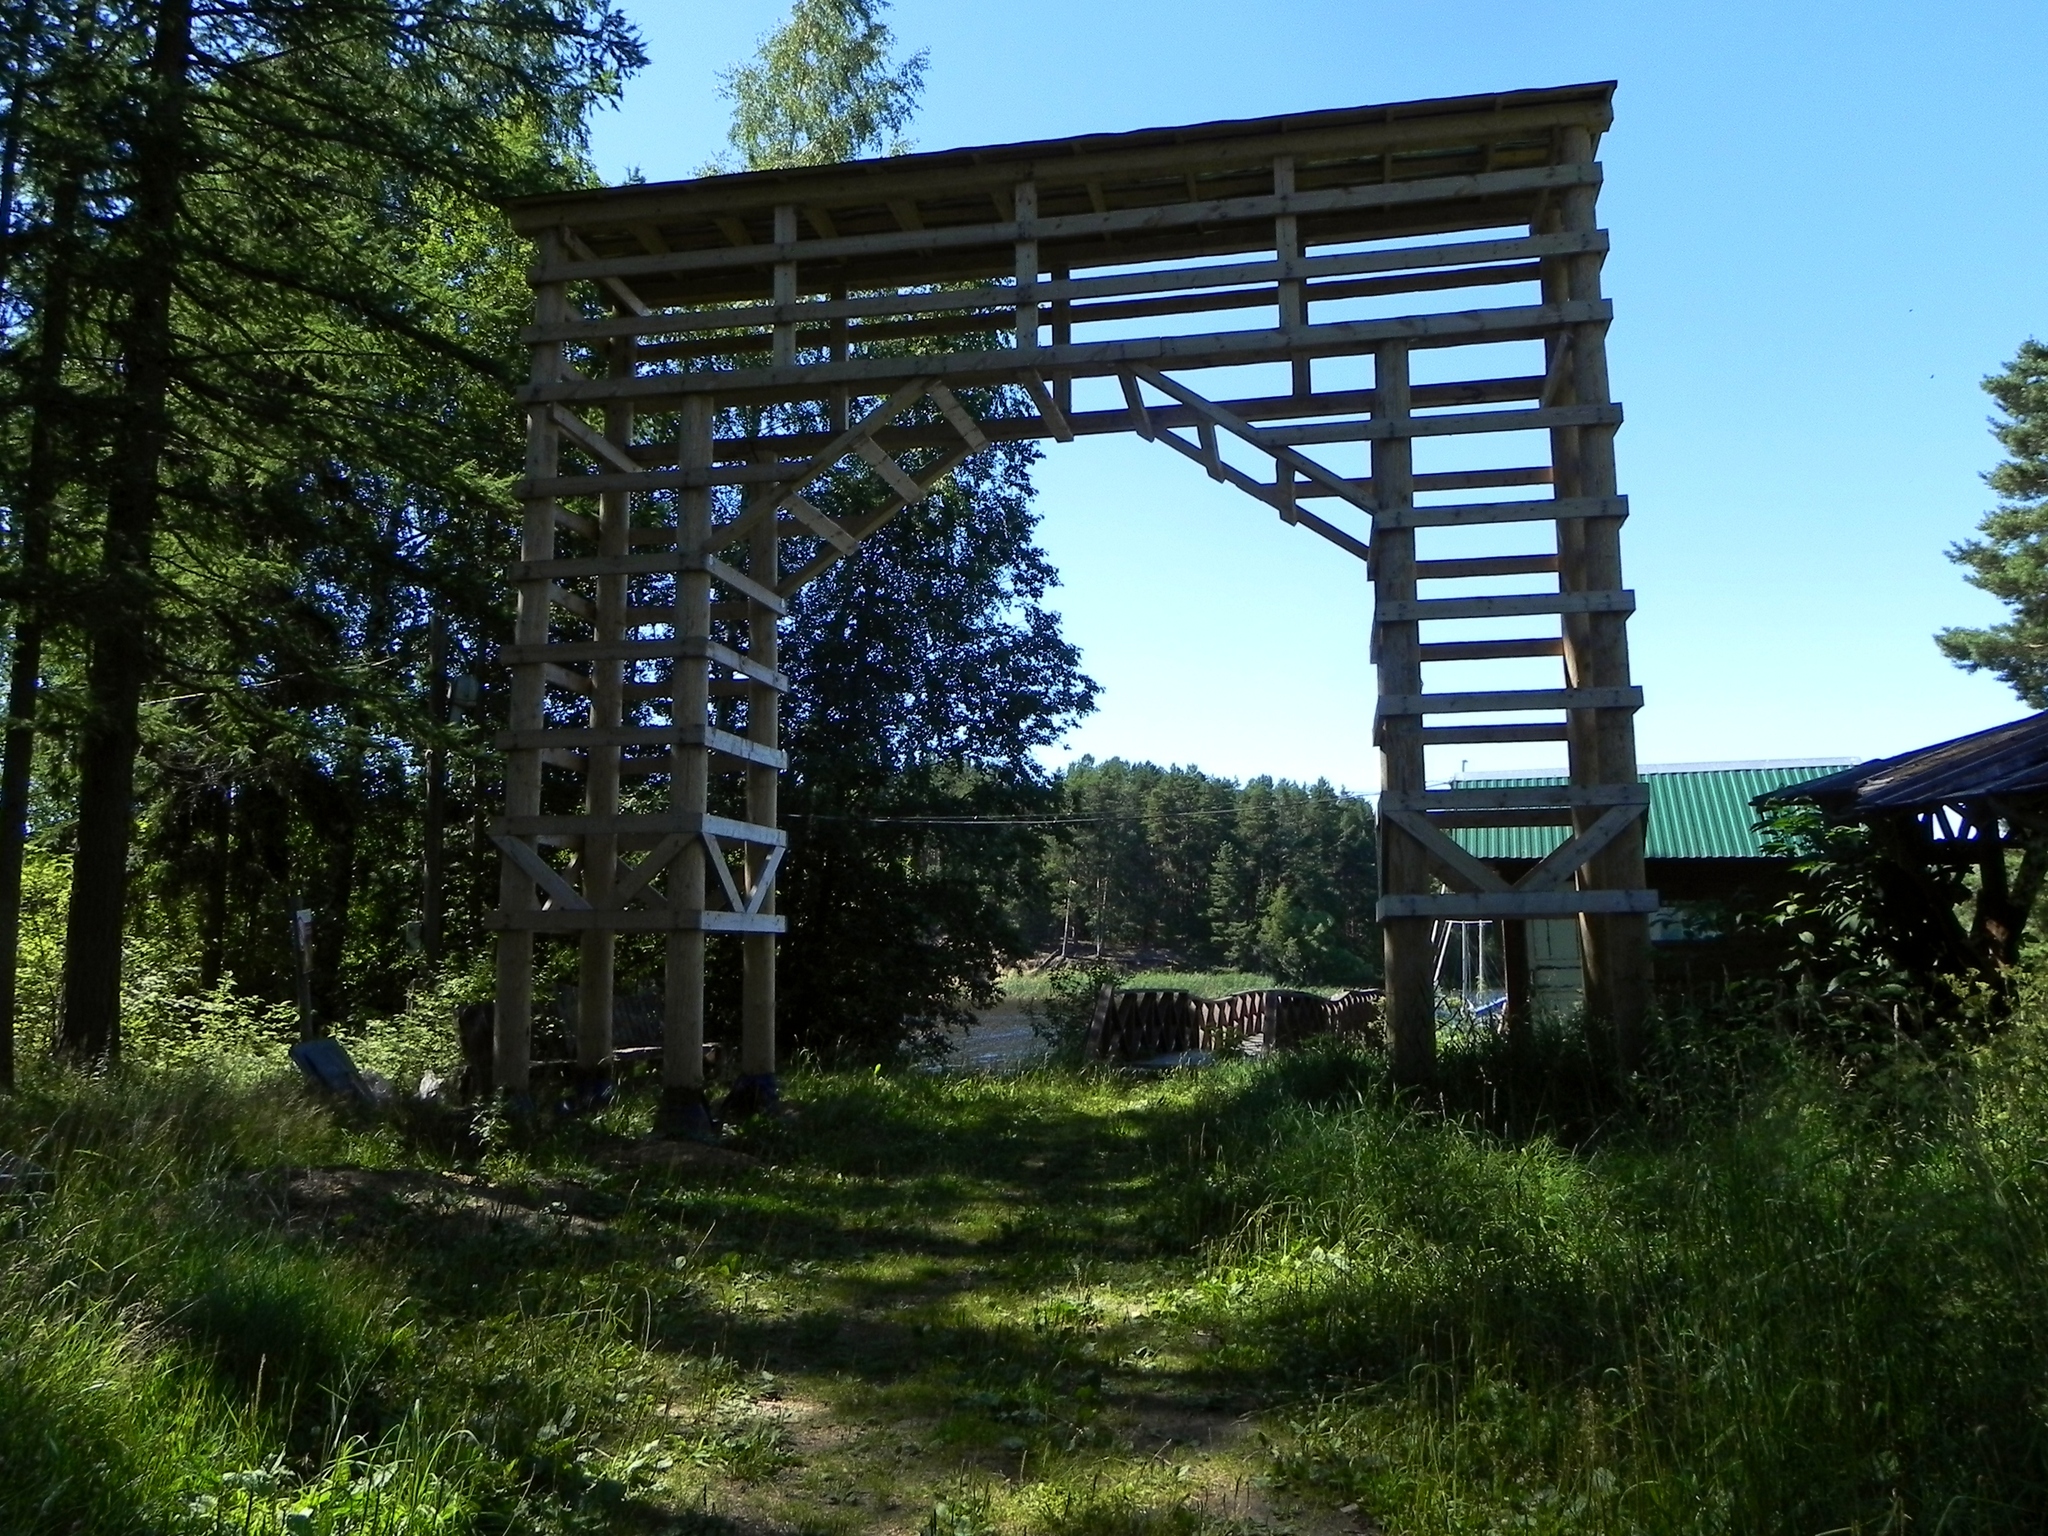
[2003,761]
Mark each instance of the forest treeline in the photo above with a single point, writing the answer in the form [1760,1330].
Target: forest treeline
[1181,866]
[259,343]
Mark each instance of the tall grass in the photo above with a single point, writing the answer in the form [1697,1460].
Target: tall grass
[1790,1303]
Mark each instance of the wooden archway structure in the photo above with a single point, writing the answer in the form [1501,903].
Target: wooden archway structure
[779,327]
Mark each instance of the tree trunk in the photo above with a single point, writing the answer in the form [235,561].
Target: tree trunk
[38,499]
[121,628]
[434,821]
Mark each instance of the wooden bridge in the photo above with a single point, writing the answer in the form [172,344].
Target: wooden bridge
[1144,1024]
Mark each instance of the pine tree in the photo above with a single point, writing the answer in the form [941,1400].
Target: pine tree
[2010,559]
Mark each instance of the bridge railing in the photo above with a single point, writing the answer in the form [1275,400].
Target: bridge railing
[1145,1023]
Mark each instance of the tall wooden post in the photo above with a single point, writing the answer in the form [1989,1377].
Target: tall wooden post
[682,1055]
[594,976]
[764,726]
[1616,946]
[1404,870]
[512,1043]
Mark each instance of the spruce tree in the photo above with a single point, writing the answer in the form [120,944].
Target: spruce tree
[2009,559]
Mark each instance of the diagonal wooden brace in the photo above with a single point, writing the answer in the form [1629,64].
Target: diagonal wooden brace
[764,882]
[1329,480]
[637,877]
[1453,860]
[562,896]
[1566,859]
[716,850]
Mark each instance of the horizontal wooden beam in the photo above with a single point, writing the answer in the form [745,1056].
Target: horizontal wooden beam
[1084,226]
[1481,513]
[1517,796]
[1505,700]
[1507,605]
[1469,906]
[639,920]
[1214,349]
[1101,161]
[1489,650]
[1464,735]
[641,824]
[975,298]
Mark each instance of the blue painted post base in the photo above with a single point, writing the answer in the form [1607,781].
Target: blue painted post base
[683,1115]
[758,1093]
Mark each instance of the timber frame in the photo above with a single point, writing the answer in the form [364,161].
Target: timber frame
[735,380]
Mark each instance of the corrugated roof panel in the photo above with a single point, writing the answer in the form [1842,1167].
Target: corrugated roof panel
[1694,814]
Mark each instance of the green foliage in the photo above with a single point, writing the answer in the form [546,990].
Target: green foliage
[2010,558]
[823,88]
[1062,1013]
[1269,876]
[1862,956]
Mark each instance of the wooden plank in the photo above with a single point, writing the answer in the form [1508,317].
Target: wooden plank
[1490,650]
[1134,401]
[1260,491]
[1501,701]
[829,557]
[575,522]
[1142,158]
[1471,905]
[1486,565]
[636,877]
[595,443]
[764,883]
[1216,349]
[1002,296]
[733,900]
[1449,858]
[1466,423]
[677,647]
[1457,735]
[1265,439]
[572,602]
[1566,860]
[569,682]
[1518,796]
[892,473]
[640,824]
[819,523]
[1513,605]
[740,582]
[1083,226]
[957,414]
[1482,513]
[578,738]
[559,891]
[1048,408]
[639,920]
[618,288]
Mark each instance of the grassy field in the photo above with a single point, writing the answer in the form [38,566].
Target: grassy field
[1266,1297]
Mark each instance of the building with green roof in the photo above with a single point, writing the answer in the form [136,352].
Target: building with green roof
[1701,845]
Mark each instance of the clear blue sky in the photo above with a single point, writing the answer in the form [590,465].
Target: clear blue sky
[1829,223]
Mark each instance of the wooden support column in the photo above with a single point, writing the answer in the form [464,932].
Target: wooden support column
[842,334]
[682,1038]
[1026,197]
[512,1030]
[1062,335]
[599,947]
[1581,734]
[785,286]
[1404,869]
[1293,299]
[764,725]
[1617,947]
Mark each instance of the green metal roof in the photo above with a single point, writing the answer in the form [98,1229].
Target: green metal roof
[1698,811]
